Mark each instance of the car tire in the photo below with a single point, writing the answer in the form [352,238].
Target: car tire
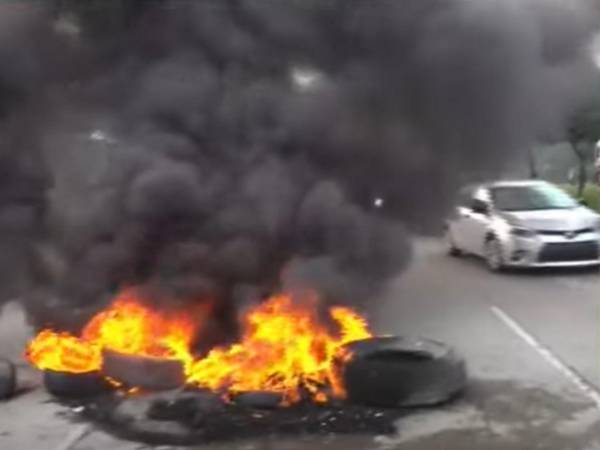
[8,379]
[493,254]
[453,250]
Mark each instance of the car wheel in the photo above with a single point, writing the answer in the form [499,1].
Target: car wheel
[493,254]
[453,250]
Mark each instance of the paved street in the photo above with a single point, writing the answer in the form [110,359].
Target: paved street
[531,341]
[524,394]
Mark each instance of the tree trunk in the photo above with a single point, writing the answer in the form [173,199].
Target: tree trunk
[582,176]
[533,173]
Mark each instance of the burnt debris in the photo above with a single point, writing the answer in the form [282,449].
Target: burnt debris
[385,378]
[216,151]
[200,417]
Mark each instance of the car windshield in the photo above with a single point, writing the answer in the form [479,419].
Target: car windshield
[531,197]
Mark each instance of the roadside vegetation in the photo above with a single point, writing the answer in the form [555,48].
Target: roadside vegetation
[590,194]
[583,134]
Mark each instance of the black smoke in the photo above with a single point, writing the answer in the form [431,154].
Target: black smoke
[221,150]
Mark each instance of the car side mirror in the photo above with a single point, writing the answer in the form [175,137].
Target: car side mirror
[480,207]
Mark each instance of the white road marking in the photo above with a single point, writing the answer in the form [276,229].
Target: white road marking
[74,437]
[584,386]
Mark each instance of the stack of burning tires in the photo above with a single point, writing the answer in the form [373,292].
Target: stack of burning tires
[382,371]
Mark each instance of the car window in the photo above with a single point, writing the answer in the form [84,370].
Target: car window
[531,197]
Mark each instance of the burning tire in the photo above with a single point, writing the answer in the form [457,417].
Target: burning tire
[74,385]
[8,379]
[147,373]
[402,372]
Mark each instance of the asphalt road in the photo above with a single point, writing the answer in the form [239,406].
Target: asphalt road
[531,341]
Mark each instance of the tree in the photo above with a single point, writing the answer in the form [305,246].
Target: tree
[583,134]
[533,170]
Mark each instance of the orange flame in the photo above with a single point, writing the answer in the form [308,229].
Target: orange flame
[126,326]
[62,352]
[130,328]
[286,347]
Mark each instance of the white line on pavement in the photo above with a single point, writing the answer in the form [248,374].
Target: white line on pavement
[588,389]
[74,437]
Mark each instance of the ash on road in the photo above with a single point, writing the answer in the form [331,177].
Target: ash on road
[531,340]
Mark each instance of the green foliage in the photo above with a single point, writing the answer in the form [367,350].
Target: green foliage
[591,195]
[585,124]
[583,132]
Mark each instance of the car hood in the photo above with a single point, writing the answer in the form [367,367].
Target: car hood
[553,219]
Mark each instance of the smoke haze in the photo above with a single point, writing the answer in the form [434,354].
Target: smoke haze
[220,150]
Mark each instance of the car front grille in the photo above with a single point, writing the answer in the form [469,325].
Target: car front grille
[565,232]
[569,251]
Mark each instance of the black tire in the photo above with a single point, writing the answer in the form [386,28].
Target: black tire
[402,372]
[74,385]
[8,379]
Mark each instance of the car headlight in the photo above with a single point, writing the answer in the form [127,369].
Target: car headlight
[522,232]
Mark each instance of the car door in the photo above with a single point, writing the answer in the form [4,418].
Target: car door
[477,222]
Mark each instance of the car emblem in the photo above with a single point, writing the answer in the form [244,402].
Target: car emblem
[570,234]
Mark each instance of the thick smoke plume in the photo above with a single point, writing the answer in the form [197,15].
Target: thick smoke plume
[220,150]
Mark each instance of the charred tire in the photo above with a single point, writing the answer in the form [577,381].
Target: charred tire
[153,374]
[8,379]
[74,385]
[402,372]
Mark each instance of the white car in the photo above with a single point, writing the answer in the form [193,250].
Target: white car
[524,224]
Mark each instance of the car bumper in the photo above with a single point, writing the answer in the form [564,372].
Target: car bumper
[552,251]
[557,264]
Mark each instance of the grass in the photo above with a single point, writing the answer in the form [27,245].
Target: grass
[591,195]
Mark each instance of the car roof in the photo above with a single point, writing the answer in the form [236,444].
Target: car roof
[514,183]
